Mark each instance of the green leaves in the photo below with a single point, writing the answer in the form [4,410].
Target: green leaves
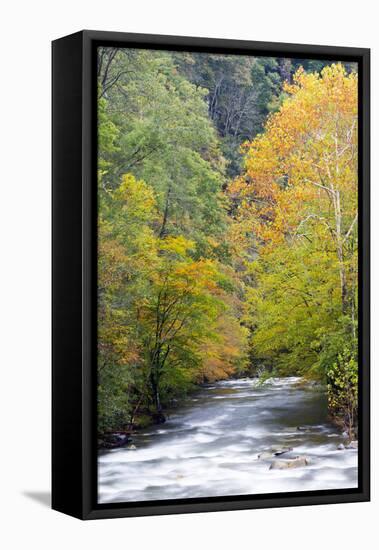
[164,137]
[298,198]
[196,275]
[342,381]
[162,309]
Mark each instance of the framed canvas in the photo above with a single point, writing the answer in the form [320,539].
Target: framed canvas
[210,275]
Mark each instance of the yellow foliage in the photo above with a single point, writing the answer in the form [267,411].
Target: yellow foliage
[307,152]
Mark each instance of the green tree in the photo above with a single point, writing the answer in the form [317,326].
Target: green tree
[164,137]
[296,208]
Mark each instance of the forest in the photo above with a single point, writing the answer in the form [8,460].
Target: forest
[227,228]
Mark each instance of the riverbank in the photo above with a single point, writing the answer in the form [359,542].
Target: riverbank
[149,419]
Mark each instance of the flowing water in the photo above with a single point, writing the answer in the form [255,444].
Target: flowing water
[210,446]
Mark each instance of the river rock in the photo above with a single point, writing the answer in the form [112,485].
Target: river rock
[159,418]
[352,445]
[341,447]
[289,455]
[265,455]
[298,462]
[283,451]
[131,447]
[277,451]
[114,440]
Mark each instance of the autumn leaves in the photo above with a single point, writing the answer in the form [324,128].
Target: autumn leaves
[201,278]
[298,197]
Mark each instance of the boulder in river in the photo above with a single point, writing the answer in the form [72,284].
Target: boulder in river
[277,451]
[265,455]
[288,455]
[341,447]
[298,462]
[282,451]
[352,445]
[115,439]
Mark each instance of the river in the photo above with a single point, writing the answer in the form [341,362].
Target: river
[209,447]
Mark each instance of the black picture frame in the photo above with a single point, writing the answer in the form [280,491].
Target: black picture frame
[74,271]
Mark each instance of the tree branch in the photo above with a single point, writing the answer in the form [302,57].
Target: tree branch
[350,228]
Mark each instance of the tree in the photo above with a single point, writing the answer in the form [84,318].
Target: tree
[192,269]
[183,317]
[164,137]
[296,206]
[160,311]
[127,255]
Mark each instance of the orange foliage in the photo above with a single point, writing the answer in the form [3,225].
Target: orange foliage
[307,153]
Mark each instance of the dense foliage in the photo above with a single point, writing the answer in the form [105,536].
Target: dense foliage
[227,227]
[297,198]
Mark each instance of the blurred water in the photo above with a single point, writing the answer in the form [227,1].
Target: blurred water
[210,446]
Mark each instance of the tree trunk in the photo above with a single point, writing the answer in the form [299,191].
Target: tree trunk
[155,391]
[340,255]
[162,232]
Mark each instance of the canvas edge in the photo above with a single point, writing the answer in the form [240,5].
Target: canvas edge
[83,503]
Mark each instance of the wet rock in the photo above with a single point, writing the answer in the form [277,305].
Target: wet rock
[352,445]
[131,447]
[298,462]
[282,451]
[159,418]
[341,447]
[271,453]
[114,440]
[265,455]
[303,429]
[290,455]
